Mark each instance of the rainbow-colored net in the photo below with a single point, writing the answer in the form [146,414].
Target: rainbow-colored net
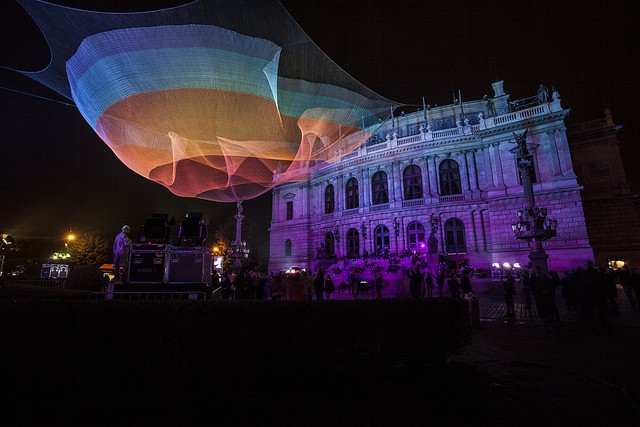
[216,99]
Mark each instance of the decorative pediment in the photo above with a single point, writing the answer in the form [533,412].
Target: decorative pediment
[289,196]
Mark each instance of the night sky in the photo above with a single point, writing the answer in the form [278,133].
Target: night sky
[56,173]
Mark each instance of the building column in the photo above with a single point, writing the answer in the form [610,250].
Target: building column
[275,205]
[436,177]
[474,171]
[554,158]
[466,170]
[562,145]
[427,174]
[499,173]
[397,181]
[366,196]
[304,192]
[488,170]
[339,194]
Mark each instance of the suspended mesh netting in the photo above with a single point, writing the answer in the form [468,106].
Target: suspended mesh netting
[216,99]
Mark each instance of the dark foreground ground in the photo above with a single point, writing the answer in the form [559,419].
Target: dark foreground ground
[513,372]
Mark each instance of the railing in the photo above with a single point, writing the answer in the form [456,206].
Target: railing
[147,296]
[350,212]
[446,133]
[410,139]
[380,207]
[45,283]
[377,147]
[415,202]
[452,198]
[592,124]
[328,215]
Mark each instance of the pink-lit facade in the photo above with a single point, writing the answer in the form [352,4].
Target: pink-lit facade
[449,163]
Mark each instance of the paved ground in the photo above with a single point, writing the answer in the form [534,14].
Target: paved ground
[592,370]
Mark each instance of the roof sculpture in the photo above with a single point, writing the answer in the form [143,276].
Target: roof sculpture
[216,99]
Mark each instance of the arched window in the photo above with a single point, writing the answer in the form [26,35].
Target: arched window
[351,189]
[449,178]
[287,247]
[379,188]
[412,180]
[353,243]
[415,232]
[329,199]
[330,244]
[381,235]
[454,236]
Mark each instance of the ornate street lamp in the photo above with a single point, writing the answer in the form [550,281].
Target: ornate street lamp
[532,224]
[238,248]
[396,229]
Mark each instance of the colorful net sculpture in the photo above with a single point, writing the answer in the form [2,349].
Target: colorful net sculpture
[216,99]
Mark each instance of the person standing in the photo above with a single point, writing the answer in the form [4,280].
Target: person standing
[120,250]
[415,282]
[509,286]
[329,286]
[454,286]
[429,284]
[318,285]
[378,284]
[465,283]
[440,281]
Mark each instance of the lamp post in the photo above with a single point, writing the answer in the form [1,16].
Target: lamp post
[396,230]
[70,238]
[238,248]
[363,229]
[532,224]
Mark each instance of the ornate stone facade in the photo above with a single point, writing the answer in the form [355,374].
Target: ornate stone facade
[446,171]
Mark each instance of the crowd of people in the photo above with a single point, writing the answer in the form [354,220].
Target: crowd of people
[590,291]
[305,285]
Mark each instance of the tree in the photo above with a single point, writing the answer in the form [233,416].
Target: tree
[90,249]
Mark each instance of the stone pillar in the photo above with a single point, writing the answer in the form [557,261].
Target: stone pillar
[397,181]
[275,206]
[366,194]
[304,192]
[436,177]
[339,194]
[554,159]
[498,178]
[488,170]
[427,174]
[466,169]
[474,171]
[562,145]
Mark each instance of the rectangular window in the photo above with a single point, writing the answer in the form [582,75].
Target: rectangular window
[289,210]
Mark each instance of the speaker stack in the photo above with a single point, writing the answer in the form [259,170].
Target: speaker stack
[155,260]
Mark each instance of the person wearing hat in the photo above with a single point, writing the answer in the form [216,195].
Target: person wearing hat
[120,245]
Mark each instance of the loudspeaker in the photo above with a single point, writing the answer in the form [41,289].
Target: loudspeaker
[156,229]
[192,231]
[189,265]
[147,263]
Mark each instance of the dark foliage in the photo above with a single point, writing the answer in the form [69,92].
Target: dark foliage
[86,277]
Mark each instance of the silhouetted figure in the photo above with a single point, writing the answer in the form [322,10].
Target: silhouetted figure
[440,282]
[509,286]
[329,287]
[536,284]
[318,285]
[415,282]
[454,286]
[429,285]
[378,284]
[612,292]
[549,295]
